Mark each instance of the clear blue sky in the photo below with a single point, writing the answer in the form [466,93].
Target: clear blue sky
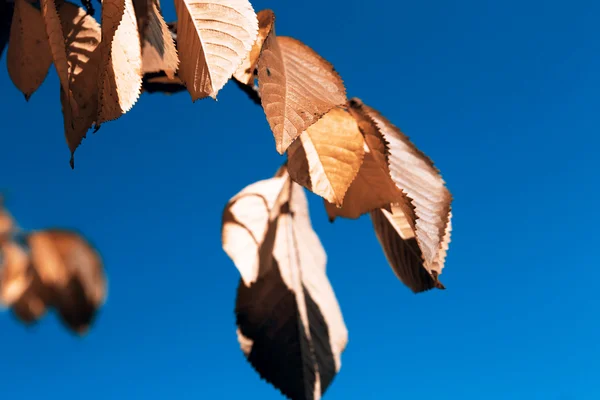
[504,97]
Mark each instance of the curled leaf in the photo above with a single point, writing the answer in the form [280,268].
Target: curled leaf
[290,326]
[297,87]
[213,37]
[414,173]
[120,72]
[29,56]
[328,156]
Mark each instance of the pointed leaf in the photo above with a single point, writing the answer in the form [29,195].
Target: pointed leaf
[29,56]
[328,156]
[213,38]
[158,51]
[401,249]
[297,87]
[56,40]
[290,326]
[82,34]
[120,73]
[416,175]
[246,71]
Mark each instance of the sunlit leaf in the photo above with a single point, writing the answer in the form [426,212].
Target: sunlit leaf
[328,155]
[414,173]
[120,72]
[297,87]
[290,326]
[213,37]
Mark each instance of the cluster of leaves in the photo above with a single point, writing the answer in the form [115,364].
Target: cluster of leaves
[49,269]
[290,326]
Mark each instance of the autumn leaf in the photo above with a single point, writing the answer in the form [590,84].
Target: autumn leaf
[71,272]
[297,87]
[6,221]
[246,71]
[29,56]
[213,38]
[120,72]
[290,326]
[160,82]
[414,173]
[15,276]
[56,39]
[328,155]
[373,187]
[82,36]
[158,48]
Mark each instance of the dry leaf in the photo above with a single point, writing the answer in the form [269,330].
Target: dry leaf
[56,40]
[15,276]
[373,187]
[71,271]
[401,249]
[6,221]
[158,49]
[120,73]
[328,155]
[246,71]
[29,56]
[290,326]
[416,176]
[297,87]
[82,36]
[213,38]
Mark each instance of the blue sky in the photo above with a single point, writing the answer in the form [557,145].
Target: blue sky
[503,96]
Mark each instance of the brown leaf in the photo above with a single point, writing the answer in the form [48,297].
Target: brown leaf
[15,276]
[290,326]
[6,221]
[373,187]
[158,49]
[82,36]
[29,56]
[245,72]
[328,156]
[72,273]
[401,249]
[213,38]
[416,176]
[56,40]
[120,73]
[297,87]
